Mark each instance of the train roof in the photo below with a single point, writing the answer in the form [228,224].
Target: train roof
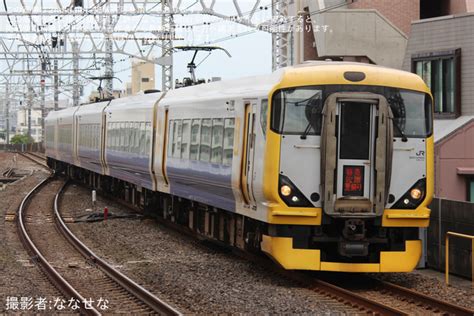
[332,72]
[251,87]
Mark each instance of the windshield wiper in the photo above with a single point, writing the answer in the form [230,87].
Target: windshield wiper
[306,131]
[404,137]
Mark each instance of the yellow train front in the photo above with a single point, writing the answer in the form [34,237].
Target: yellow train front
[348,171]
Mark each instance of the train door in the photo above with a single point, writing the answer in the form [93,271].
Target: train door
[247,176]
[355,159]
[357,150]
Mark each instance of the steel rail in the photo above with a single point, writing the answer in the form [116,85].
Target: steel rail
[28,156]
[441,305]
[61,284]
[131,286]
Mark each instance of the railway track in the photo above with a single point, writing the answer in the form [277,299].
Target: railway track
[404,299]
[73,268]
[36,158]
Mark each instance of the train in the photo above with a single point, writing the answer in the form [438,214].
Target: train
[324,166]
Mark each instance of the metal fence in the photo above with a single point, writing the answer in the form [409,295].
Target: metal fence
[454,216]
[35,147]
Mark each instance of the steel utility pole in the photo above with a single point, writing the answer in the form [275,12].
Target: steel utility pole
[29,105]
[7,110]
[43,101]
[167,24]
[109,58]
[56,84]
[280,38]
[75,66]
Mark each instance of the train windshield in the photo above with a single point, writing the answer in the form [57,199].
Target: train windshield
[298,111]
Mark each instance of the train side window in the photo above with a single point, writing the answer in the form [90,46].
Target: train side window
[217,139]
[125,137]
[136,138]
[109,136]
[263,116]
[122,136]
[96,136]
[148,137]
[205,147]
[142,139]
[128,134]
[93,135]
[194,148]
[114,136]
[84,134]
[170,137]
[176,150]
[89,130]
[228,141]
[186,135]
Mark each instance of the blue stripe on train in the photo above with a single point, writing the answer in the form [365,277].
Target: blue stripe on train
[204,182]
[129,167]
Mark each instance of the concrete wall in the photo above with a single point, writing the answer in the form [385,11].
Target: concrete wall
[456,217]
[360,33]
[400,12]
[445,33]
[454,151]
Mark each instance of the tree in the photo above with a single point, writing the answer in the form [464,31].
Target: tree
[21,139]
[3,134]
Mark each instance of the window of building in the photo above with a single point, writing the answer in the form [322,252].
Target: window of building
[145,79]
[205,147]
[470,190]
[217,139]
[441,72]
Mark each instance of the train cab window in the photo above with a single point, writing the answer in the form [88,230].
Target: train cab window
[263,116]
[297,111]
[217,139]
[186,135]
[176,147]
[205,147]
[228,141]
[411,111]
[194,148]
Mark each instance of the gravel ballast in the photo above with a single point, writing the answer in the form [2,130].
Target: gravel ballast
[20,278]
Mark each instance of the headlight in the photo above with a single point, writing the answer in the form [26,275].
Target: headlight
[285,190]
[416,194]
[413,197]
[291,195]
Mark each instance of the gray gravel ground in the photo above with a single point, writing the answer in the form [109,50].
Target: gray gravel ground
[19,277]
[178,269]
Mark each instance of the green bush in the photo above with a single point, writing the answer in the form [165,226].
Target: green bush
[21,139]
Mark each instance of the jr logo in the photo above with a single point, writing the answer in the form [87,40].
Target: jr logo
[421,153]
